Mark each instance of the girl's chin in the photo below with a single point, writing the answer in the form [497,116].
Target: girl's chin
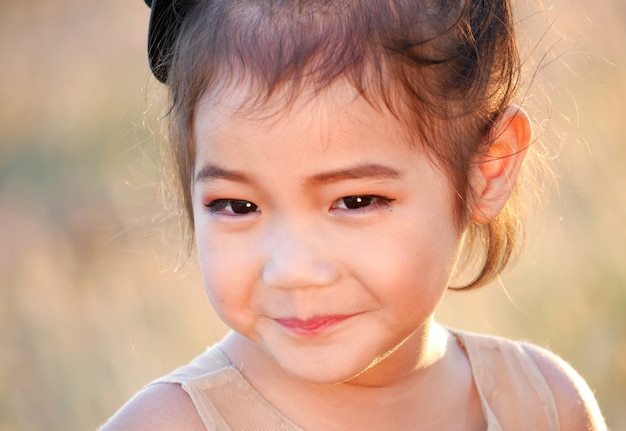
[318,376]
[326,367]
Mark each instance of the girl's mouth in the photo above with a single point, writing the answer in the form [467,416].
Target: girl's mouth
[313,325]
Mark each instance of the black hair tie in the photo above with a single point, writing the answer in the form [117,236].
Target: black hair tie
[166,17]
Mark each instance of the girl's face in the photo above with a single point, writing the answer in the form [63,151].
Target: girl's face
[323,236]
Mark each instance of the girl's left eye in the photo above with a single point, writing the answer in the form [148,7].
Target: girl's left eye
[361,201]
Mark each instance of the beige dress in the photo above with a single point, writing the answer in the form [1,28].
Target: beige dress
[514,395]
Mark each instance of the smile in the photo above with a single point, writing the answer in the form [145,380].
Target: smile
[314,325]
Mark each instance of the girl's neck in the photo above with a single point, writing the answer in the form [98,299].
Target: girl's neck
[412,360]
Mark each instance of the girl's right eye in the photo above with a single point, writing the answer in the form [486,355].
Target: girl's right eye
[232,207]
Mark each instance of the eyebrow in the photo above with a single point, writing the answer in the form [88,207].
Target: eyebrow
[214,172]
[368,170]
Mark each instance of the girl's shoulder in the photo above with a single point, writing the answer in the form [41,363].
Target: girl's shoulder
[164,406]
[542,381]
[576,405]
[165,403]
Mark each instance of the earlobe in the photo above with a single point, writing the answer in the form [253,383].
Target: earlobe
[496,171]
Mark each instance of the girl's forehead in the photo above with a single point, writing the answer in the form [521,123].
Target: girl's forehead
[333,108]
[243,98]
[337,103]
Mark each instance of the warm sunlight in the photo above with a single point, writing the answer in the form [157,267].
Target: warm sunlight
[90,305]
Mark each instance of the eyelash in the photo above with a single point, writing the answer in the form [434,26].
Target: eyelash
[220,206]
[354,203]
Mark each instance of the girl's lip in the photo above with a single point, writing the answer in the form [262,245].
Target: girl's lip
[313,325]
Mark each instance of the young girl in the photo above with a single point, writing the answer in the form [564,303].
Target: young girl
[340,162]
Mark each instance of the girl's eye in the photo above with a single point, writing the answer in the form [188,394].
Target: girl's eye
[361,201]
[231,207]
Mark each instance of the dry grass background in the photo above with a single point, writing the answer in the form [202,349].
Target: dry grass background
[88,309]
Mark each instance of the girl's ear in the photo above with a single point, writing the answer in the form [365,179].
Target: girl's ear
[495,172]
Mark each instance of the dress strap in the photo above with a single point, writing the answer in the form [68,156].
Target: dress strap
[513,392]
[223,398]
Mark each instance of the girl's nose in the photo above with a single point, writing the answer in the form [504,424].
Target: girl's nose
[295,260]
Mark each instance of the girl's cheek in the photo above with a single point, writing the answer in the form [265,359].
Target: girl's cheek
[226,259]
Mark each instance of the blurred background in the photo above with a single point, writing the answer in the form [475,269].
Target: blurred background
[90,308]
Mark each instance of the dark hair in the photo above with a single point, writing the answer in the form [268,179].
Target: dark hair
[447,69]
